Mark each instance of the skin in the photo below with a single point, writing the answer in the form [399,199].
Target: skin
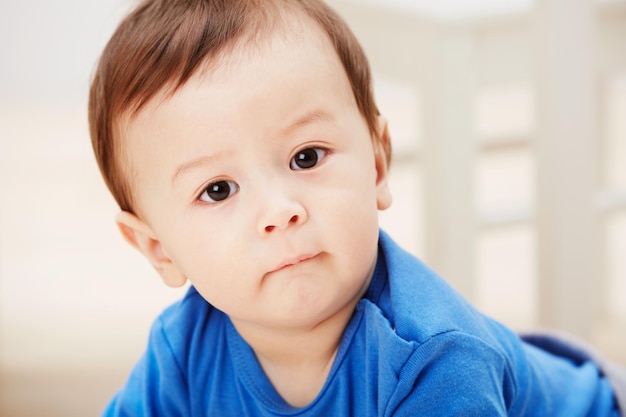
[259,182]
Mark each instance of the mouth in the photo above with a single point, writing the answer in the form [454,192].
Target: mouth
[289,262]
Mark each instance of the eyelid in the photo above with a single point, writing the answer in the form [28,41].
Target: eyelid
[311,145]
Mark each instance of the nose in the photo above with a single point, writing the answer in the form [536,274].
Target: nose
[280,212]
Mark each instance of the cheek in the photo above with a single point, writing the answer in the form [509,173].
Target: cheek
[358,186]
[193,248]
[212,270]
[351,211]
[208,251]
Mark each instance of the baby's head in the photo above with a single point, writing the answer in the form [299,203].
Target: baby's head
[242,142]
[163,43]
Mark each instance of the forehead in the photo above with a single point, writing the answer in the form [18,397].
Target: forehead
[298,52]
[290,28]
[295,37]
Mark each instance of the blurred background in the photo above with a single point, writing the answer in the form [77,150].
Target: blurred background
[509,178]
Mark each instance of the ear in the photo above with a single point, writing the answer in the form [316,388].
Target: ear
[382,145]
[141,236]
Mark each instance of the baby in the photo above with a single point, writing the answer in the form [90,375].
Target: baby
[242,143]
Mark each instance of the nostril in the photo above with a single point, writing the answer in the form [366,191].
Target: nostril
[293,220]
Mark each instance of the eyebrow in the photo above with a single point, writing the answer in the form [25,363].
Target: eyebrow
[183,168]
[312,117]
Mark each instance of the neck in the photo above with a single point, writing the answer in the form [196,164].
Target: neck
[293,345]
[297,361]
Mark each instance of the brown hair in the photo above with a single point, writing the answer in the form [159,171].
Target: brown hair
[161,44]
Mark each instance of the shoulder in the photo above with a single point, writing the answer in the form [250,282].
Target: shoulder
[183,346]
[422,305]
[452,374]
[451,338]
[438,346]
[447,371]
[459,350]
[185,317]
[186,328]
[185,309]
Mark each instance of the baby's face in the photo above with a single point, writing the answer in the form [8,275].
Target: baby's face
[259,180]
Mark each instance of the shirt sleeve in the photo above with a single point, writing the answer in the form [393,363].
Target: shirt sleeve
[156,385]
[452,375]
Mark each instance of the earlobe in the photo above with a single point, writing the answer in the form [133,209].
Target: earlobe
[382,147]
[141,236]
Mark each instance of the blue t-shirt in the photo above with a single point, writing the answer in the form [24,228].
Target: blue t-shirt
[413,347]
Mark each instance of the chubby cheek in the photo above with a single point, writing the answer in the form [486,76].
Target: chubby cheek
[207,255]
[217,276]
[355,197]
[353,215]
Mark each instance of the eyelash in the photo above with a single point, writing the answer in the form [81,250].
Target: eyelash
[224,189]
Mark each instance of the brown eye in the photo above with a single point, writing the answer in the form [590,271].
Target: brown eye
[307,158]
[219,191]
